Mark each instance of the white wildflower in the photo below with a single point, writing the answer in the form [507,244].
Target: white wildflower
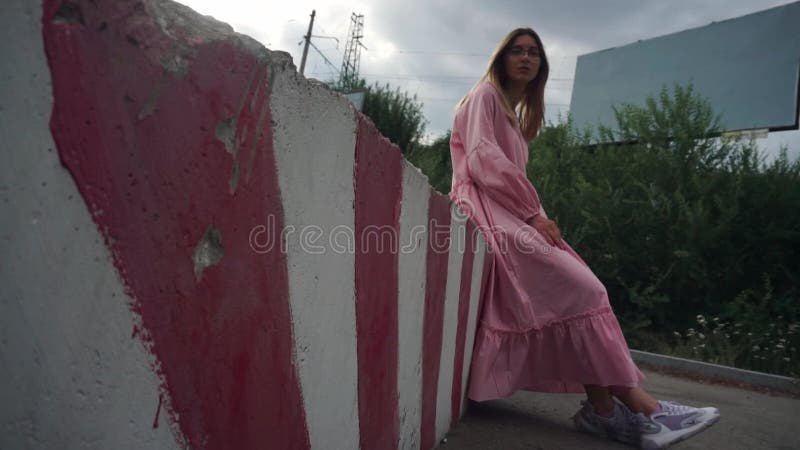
[700,319]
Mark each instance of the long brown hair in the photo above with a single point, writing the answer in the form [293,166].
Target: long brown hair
[531,108]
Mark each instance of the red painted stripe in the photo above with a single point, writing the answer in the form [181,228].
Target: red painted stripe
[137,120]
[378,189]
[433,324]
[463,317]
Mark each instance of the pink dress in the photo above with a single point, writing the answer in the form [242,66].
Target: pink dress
[546,323]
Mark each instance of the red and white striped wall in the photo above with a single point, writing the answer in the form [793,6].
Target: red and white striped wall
[201,248]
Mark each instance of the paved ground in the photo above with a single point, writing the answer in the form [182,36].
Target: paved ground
[750,420]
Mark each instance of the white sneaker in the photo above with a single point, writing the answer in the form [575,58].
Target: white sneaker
[674,423]
[621,426]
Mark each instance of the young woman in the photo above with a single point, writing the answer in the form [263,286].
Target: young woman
[546,324]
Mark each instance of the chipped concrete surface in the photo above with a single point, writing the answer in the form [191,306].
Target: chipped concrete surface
[208,252]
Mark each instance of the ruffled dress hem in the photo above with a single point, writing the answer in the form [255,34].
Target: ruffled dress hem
[544,359]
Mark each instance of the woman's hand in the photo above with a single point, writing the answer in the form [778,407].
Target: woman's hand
[548,229]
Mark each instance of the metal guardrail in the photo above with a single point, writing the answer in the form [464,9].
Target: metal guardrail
[715,371]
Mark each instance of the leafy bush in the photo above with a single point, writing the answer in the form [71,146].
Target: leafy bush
[434,161]
[677,222]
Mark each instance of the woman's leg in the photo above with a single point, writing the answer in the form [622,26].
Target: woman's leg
[635,398]
[600,398]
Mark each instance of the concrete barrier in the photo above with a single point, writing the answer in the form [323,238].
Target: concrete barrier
[202,249]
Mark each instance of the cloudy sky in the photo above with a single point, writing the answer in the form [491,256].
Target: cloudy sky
[438,49]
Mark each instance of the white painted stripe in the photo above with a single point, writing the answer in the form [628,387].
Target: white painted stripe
[314,135]
[411,302]
[472,319]
[444,395]
[72,375]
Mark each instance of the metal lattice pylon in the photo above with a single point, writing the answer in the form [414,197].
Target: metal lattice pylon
[352,52]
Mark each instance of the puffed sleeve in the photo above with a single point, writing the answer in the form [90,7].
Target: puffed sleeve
[488,166]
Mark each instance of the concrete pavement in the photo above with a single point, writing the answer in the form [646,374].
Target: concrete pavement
[750,420]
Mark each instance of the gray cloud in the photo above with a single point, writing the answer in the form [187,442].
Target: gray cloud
[447,43]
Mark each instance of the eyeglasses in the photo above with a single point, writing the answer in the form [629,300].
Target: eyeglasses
[517,51]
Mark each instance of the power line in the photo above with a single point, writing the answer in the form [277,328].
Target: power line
[334,49]
[455,80]
[454,100]
[549,88]
[455,53]
[324,57]
[433,52]
[442,77]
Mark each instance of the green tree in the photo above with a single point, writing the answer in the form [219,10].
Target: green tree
[434,161]
[396,114]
